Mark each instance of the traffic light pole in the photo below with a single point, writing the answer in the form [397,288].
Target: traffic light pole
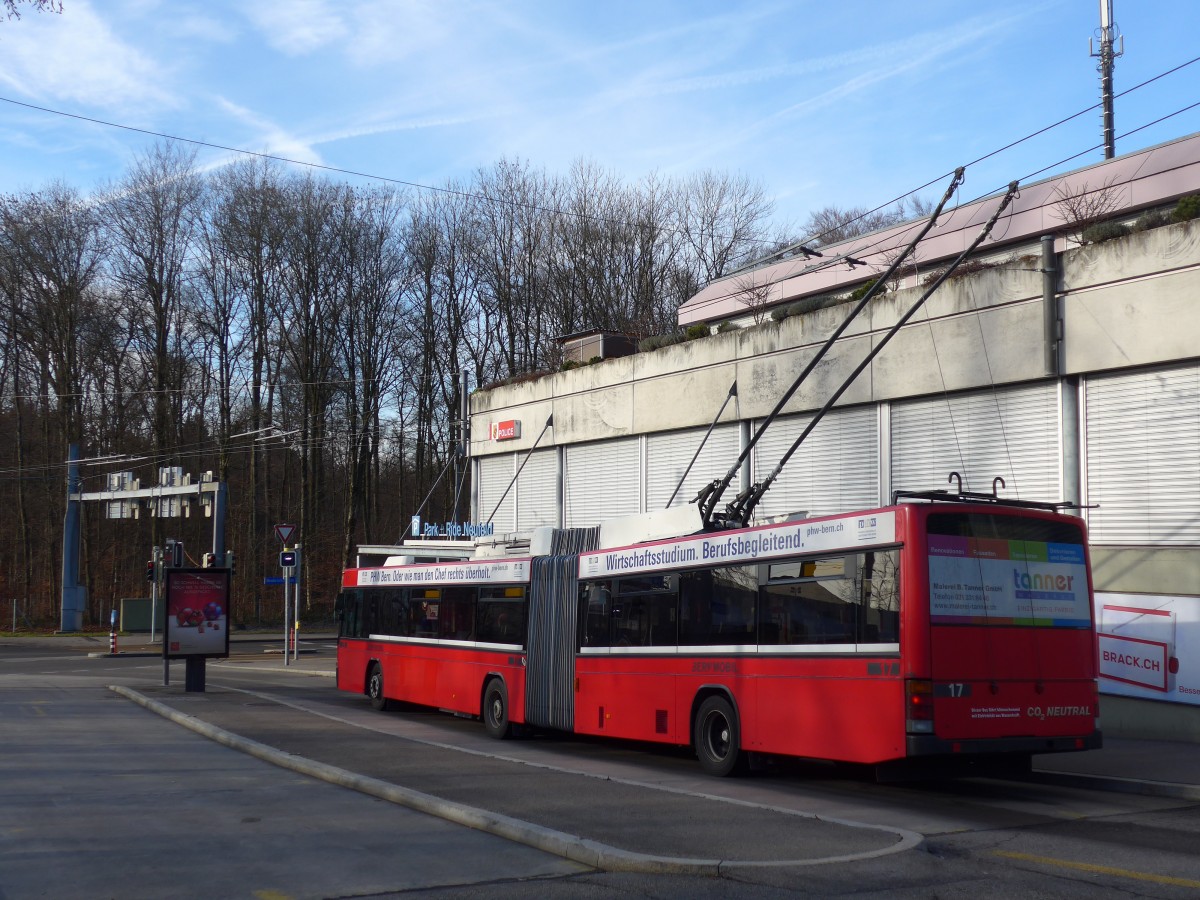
[289,562]
[287,617]
[157,558]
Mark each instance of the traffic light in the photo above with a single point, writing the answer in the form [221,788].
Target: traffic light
[150,573]
[174,554]
[287,559]
[209,561]
[230,562]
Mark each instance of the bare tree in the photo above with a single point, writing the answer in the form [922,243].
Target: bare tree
[250,219]
[11,11]
[513,229]
[152,214]
[315,270]
[57,242]
[1082,207]
[754,291]
[52,245]
[723,219]
[832,224]
[371,331]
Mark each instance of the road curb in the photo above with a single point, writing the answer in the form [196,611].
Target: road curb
[1118,785]
[568,846]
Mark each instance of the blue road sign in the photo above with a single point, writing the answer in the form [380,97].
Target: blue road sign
[278,579]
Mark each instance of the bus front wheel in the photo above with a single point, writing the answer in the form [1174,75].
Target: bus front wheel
[495,710]
[375,689]
[717,736]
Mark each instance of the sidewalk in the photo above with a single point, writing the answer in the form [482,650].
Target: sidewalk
[1128,765]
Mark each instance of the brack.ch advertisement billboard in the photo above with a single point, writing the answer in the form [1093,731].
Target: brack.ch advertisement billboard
[197,613]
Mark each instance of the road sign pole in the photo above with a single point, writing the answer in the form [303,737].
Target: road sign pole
[284,532]
[287,621]
[295,570]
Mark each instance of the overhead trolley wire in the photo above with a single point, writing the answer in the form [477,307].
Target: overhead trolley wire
[537,207]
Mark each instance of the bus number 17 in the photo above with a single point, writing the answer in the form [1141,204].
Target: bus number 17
[952,689]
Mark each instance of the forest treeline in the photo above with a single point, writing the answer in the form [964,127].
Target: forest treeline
[302,338]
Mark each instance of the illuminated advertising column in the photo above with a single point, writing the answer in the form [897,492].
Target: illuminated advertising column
[197,622]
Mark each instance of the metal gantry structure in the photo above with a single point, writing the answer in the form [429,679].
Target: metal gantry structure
[124,497]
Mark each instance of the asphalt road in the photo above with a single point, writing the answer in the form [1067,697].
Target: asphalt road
[107,799]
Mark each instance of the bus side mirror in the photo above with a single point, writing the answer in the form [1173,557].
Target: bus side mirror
[339,607]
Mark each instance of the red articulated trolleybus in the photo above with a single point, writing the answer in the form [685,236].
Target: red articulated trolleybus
[944,626]
[941,626]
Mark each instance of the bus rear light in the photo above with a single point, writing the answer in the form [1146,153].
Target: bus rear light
[919,706]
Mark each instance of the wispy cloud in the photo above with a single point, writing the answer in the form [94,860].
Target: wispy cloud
[79,59]
[269,137]
[926,55]
[298,27]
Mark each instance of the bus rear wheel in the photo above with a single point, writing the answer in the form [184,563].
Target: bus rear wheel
[716,737]
[495,710]
[375,689]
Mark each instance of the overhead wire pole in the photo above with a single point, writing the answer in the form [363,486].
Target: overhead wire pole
[711,494]
[743,506]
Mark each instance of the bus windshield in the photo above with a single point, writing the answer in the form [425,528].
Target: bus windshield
[996,569]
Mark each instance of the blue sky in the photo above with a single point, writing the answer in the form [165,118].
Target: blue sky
[849,103]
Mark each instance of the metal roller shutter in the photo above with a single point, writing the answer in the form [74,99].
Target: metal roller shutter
[537,502]
[1012,433]
[495,472]
[601,480]
[1142,434]
[669,453]
[836,468]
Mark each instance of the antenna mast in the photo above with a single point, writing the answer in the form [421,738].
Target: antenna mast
[1108,34]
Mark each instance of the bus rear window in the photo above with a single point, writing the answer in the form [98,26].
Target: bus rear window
[998,569]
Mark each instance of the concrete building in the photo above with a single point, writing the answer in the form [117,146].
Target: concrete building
[1070,371]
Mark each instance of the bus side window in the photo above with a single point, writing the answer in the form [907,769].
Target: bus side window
[643,613]
[397,616]
[596,601]
[385,622]
[349,604]
[717,606]
[457,614]
[501,615]
[370,615]
[879,587]
[695,608]
[810,602]
[735,590]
